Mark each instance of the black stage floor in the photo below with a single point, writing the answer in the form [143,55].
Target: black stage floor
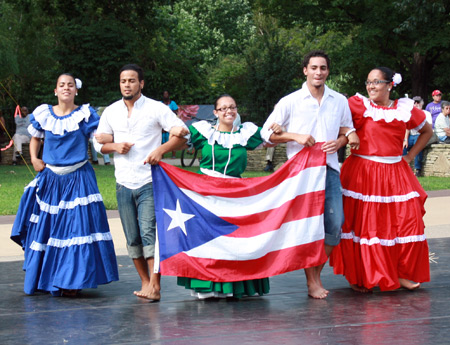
[111,314]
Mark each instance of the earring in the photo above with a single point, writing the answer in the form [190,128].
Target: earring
[56,94]
[389,89]
[77,93]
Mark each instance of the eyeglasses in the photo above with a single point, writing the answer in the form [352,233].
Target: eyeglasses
[225,109]
[376,82]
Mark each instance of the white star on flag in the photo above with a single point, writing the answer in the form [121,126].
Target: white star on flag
[178,218]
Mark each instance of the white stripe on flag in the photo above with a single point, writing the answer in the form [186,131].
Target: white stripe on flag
[267,200]
[289,235]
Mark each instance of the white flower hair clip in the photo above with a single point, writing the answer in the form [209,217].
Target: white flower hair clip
[78,83]
[397,79]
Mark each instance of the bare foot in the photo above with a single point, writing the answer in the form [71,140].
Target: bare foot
[359,288]
[148,292]
[316,291]
[407,284]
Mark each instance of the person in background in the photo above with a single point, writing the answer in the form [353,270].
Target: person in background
[383,242]
[61,222]
[435,107]
[412,135]
[21,136]
[174,107]
[442,124]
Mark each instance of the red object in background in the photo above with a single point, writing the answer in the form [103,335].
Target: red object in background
[11,142]
[187,112]
[17,112]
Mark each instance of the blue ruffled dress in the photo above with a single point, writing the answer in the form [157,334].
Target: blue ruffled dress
[61,222]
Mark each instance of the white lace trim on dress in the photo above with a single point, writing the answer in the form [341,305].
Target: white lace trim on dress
[224,139]
[59,125]
[379,198]
[34,218]
[54,242]
[34,132]
[383,242]
[31,184]
[419,127]
[68,205]
[402,112]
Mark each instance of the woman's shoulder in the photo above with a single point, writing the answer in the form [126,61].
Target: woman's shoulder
[49,121]
[362,106]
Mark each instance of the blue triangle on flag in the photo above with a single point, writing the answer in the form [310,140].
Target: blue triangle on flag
[203,227]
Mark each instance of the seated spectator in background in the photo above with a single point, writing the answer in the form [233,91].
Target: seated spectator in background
[21,136]
[435,107]
[412,135]
[442,124]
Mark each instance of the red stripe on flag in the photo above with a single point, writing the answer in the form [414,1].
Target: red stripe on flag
[303,206]
[274,263]
[207,185]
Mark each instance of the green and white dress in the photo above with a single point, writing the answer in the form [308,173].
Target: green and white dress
[224,154]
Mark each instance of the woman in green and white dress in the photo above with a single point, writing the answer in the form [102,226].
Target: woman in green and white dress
[224,154]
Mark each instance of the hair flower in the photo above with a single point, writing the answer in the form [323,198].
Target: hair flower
[78,83]
[397,79]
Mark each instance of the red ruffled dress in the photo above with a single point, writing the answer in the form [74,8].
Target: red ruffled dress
[383,235]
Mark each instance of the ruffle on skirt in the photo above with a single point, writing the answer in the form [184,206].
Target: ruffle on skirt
[383,237]
[62,226]
[234,289]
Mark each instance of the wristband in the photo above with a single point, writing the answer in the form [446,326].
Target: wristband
[350,131]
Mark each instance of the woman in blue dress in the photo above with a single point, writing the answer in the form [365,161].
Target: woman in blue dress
[61,222]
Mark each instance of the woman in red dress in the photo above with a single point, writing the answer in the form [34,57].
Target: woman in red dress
[383,242]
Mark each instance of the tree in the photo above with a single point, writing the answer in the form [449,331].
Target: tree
[411,36]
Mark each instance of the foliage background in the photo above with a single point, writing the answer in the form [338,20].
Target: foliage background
[199,49]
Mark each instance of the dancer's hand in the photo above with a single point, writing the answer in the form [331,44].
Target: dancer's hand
[38,164]
[353,140]
[123,148]
[306,140]
[276,128]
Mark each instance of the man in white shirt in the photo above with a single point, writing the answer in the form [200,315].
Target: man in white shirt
[136,123]
[313,114]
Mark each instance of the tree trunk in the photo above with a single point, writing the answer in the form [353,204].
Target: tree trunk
[419,77]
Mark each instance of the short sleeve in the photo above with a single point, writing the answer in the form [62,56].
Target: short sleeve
[91,125]
[357,109]
[417,118]
[197,140]
[255,140]
[35,128]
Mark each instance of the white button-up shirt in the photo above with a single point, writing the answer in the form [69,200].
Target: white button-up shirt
[299,112]
[143,129]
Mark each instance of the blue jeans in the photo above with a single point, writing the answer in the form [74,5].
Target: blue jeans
[334,209]
[418,160]
[137,214]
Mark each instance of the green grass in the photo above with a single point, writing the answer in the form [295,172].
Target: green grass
[13,179]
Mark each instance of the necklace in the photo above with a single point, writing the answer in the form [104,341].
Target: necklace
[391,103]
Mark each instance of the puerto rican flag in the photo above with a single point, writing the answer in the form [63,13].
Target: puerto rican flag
[226,230]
